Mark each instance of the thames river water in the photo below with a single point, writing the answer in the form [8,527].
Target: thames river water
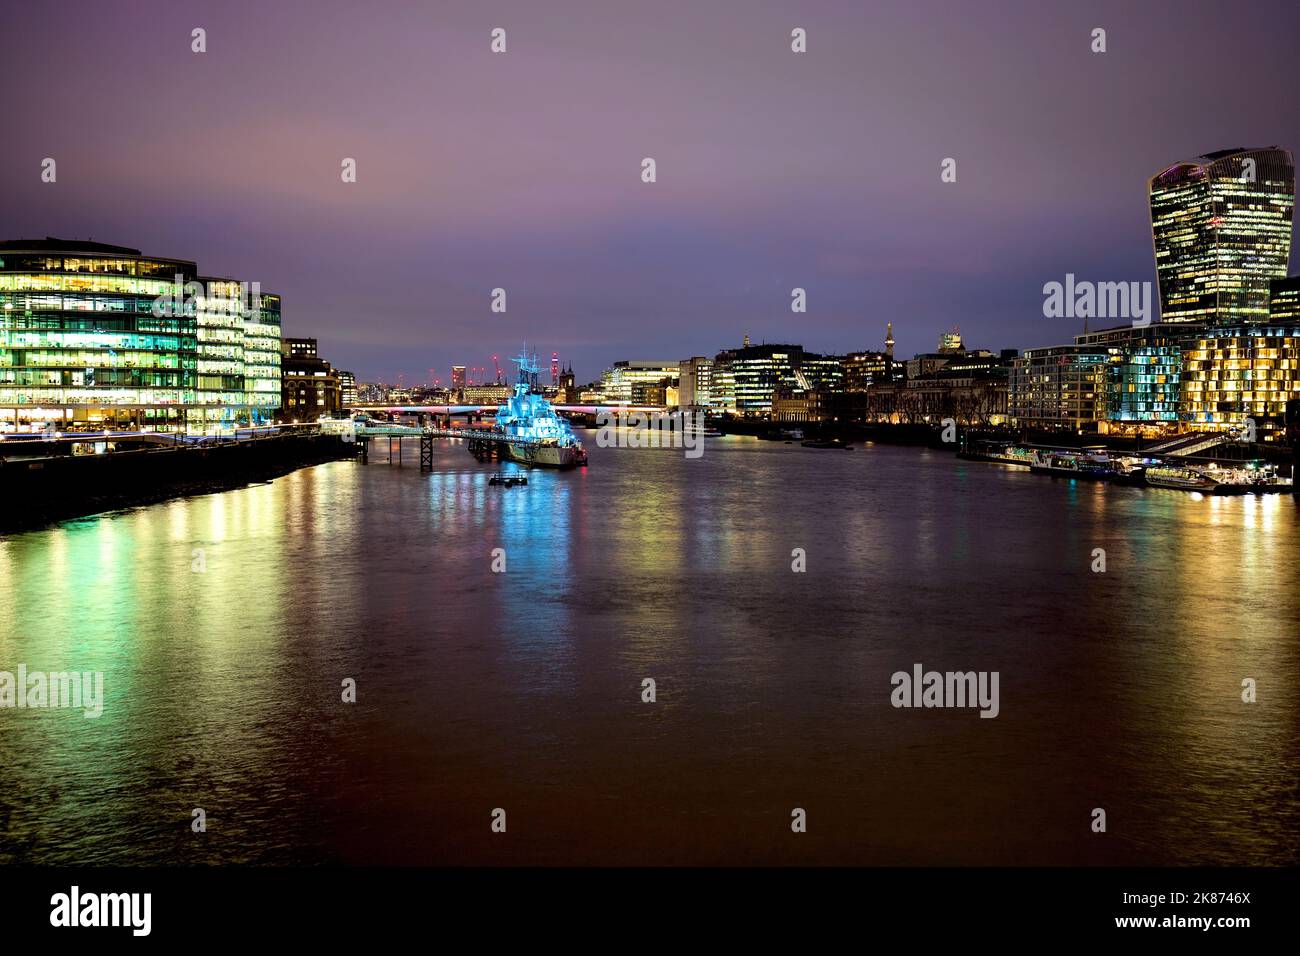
[224,626]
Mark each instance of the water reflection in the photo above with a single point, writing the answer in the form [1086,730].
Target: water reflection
[523,688]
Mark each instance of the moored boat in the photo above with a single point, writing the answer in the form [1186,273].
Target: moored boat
[702,431]
[1255,477]
[999,454]
[1091,466]
[1181,477]
[1261,477]
[537,435]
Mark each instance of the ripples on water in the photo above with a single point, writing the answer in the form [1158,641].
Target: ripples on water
[523,690]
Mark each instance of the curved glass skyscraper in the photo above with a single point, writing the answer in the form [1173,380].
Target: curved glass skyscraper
[1222,230]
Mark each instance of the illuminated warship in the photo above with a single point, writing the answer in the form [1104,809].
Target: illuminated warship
[540,437]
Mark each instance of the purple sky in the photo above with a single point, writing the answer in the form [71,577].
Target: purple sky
[522,170]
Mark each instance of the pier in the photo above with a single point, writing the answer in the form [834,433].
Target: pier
[483,443]
[1177,463]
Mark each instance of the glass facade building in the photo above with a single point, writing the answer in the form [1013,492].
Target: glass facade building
[1284,301]
[745,379]
[624,381]
[755,373]
[1061,386]
[1249,372]
[820,373]
[348,389]
[864,369]
[1142,383]
[262,333]
[1221,226]
[219,310]
[94,336]
[1143,372]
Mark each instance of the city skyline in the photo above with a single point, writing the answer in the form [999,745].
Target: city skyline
[780,176]
[840,443]
[83,346]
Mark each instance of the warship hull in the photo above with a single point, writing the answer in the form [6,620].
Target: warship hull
[546,456]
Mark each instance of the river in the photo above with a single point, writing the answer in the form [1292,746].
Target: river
[226,625]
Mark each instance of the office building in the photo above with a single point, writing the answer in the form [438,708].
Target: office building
[1143,389]
[864,369]
[348,394]
[493,394]
[1236,378]
[621,380]
[1221,227]
[745,380]
[695,382]
[1059,387]
[1284,301]
[96,336]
